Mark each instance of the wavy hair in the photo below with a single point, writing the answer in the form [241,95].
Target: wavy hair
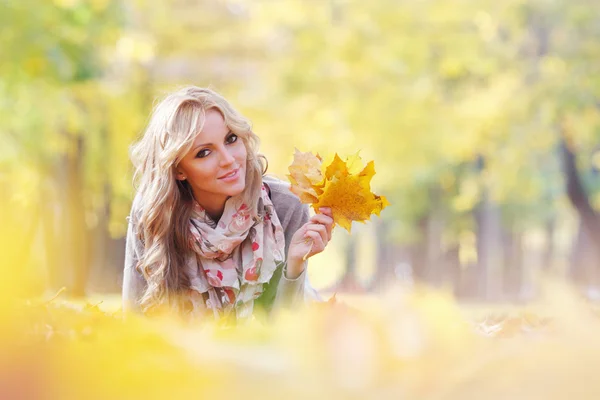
[164,204]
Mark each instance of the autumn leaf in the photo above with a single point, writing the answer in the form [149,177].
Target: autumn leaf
[344,186]
[306,176]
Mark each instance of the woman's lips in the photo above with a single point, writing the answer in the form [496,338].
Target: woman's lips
[233,175]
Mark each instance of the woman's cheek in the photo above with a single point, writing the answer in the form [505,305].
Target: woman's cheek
[242,153]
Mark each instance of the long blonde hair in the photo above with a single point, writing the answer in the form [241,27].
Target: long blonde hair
[165,203]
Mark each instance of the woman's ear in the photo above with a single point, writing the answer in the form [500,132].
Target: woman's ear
[180,175]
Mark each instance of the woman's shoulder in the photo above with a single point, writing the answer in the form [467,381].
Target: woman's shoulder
[136,209]
[286,203]
[280,191]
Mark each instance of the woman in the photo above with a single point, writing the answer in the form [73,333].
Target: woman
[208,233]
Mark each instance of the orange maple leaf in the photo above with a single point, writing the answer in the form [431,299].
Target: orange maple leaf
[342,185]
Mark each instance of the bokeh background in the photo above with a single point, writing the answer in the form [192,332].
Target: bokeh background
[482,118]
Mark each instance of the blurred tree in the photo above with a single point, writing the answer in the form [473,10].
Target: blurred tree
[52,61]
[454,102]
[462,105]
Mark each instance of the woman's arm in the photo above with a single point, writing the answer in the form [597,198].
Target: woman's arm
[294,286]
[290,291]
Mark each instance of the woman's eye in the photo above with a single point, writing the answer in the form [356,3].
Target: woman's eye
[232,138]
[203,153]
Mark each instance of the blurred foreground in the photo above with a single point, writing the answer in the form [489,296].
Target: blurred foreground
[407,344]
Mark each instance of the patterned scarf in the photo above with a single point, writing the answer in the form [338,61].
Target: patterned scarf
[233,258]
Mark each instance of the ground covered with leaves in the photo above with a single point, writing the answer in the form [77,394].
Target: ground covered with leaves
[416,344]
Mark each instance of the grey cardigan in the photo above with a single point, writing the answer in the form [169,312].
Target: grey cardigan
[292,215]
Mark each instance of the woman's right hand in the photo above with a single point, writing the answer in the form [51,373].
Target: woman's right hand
[310,239]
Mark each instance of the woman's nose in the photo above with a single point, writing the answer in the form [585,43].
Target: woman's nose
[226,157]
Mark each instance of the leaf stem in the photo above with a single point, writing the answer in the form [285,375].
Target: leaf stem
[309,249]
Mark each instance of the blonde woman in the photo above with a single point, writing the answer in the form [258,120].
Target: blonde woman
[209,234]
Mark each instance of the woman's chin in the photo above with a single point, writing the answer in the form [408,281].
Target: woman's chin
[237,189]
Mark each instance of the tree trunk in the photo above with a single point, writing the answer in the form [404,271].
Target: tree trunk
[453,270]
[583,259]
[349,282]
[384,267]
[434,262]
[393,259]
[53,217]
[588,241]
[418,252]
[548,257]
[427,258]
[73,235]
[489,245]
[100,272]
[513,256]
[489,250]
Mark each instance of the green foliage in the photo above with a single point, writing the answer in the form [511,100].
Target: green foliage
[424,88]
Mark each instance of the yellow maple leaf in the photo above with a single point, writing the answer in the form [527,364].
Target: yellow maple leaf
[306,176]
[344,186]
[350,198]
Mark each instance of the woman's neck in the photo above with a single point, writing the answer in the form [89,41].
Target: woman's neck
[213,207]
[215,215]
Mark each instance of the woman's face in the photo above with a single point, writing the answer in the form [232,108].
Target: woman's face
[215,167]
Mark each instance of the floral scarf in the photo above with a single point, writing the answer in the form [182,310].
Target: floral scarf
[233,258]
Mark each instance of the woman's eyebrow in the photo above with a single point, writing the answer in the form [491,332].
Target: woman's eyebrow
[210,144]
[202,145]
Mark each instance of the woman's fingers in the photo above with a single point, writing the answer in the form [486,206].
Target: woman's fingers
[318,231]
[317,242]
[322,218]
[321,230]
[326,211]
[325,220]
